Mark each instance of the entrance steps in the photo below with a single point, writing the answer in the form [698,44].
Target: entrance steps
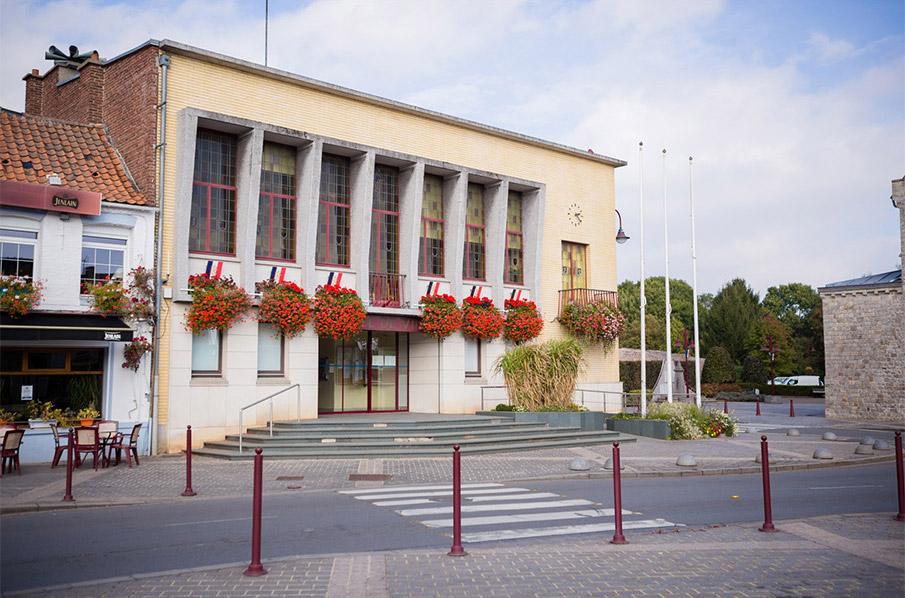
[401,435]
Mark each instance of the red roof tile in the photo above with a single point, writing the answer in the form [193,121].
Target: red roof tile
[83,156]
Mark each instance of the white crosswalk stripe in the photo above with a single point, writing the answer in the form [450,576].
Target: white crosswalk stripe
[504,511]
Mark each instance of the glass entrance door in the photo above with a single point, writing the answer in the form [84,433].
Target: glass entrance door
[367,374]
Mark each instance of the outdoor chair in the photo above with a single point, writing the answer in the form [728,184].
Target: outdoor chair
[126,443]
[9,454]
[106,432]
[58,448]
[87,441]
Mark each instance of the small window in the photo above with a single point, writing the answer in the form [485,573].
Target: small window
[102,259]
[207,354]
[472,357]
[270,351]
[17,249]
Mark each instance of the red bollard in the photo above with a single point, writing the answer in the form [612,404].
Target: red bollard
[765,467]
[71,447]
[188,463]
[457,549]
[758,406]
[900,477]
[618,538]
[255,568]
[792,408]
[725,406]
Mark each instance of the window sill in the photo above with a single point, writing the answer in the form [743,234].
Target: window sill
[209,381]
[273,381]
[472,380]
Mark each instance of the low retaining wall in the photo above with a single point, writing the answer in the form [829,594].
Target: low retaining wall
[651,428]
[586,421]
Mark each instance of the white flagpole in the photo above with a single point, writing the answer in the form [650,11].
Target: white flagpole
[643,398]
[668,306]
[694,285]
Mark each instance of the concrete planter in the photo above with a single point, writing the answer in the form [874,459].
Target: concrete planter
[651,428]
[584,420]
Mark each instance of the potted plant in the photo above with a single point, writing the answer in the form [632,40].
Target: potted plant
[41,414]
[285,306]
[596,322]
[440,316]
[7,417]
[217,303]
[87,415]
[134,351]
[338,312]
[19,295]
[523,321]
[109,298]
[481,319]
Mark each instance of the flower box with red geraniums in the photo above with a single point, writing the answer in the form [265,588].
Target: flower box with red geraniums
[19,294]
[338,312]
[440,316]
[481,319]
[134,351]
[596,322]
[217,303]
[523,321]
[108,298]
[285,306]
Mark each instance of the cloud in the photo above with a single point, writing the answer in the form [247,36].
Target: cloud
[828,50]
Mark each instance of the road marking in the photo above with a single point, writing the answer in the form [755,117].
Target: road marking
[399,503]
[592,528]
[217,521]
[549,504]
[845,487]
[440,493]
[528,496]
[415,488]
[525,517]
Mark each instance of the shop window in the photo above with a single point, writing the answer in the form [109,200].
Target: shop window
[213,219]
[276,204]
[574,266]
[17,250]
[68,378]
[270,351]
[430,252]
[514,268]
[472,357]
[207,353]
[473,269]
[102,259]
[333,212]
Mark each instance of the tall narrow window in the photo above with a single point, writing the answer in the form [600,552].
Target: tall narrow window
[385,221]
[473,267]
[430,254]
[333,212]
[574,270]
[207,354]
[102,259]
[276,204]
[472,357]
[213,220]
[514,269]
[270,351]
[17,249]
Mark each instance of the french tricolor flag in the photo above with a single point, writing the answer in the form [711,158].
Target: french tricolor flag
[433,288]
[214,269]
[335,278]
[274,271]
[479,291]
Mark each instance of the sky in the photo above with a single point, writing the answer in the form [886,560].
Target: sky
[793,111]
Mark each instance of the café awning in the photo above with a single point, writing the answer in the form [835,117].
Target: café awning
[63,327]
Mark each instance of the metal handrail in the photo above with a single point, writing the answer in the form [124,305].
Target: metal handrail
[581,401]
[298,411]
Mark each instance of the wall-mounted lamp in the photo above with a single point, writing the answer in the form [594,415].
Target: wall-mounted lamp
[621,237]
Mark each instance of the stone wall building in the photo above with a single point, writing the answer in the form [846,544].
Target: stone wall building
[864,335]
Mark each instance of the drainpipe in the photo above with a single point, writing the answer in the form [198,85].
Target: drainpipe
[163,61]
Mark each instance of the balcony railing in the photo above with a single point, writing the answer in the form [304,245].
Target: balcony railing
[585,297]
[386,290]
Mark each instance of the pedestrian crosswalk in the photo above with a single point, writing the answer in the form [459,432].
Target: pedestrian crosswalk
[494,512]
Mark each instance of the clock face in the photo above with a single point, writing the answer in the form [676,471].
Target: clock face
[575,215]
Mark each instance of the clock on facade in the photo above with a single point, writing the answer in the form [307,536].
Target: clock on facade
[575,214]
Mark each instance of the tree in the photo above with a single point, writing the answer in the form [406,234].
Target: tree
[792,304]
[732,315]
[786,357]
[753,369]
[718,367]
[680,298]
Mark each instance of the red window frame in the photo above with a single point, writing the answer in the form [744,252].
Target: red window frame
[377,231]
[328,242]
[207,221]
[266,202]
[509,233]
[468,253]
[219,165]
[425,262]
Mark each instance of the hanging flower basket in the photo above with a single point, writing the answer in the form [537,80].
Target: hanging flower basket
[440,316]
[134,351]
[19,295]
[285,306]
[217,303]
[109,298]
[523,321]
[338,312]
[141,290]
[481,319]
[596,322]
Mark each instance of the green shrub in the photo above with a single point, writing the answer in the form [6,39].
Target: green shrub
[718,367]
[753,370]
[711,390]
[503,407]
[630,374]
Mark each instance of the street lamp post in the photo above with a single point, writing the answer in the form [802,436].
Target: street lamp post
[643,399]
[770,346]
[685,344]
[621,237]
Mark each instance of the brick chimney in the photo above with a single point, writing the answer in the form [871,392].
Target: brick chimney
[34,93]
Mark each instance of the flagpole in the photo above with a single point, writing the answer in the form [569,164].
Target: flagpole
[668,306]
[643,398]
[694,285]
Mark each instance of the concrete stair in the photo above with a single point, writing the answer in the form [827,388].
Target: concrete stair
[400,435]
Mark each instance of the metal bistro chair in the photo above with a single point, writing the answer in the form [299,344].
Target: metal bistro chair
[128,444]
[107,430]
[58,449]
[12,440]
[87,441]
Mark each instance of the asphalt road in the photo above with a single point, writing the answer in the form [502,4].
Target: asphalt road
[46,548]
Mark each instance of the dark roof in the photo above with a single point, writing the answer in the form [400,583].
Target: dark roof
[887,278]
[83,156]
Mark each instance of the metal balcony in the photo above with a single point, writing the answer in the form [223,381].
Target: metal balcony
[586,297]
[386,290]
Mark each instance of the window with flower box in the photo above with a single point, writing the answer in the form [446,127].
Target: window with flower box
[430,252]
[333,218]
[473,268]
[276,204]
[213,218]
[102,259]
[17,249]
[514,266]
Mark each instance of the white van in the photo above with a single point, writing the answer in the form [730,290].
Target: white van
[804,381]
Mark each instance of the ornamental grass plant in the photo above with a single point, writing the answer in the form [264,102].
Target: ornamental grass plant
[440,316]
[481,319]
[523,321]
[19,295]
[217,303]
[338,312]
[285,306]
[542,376]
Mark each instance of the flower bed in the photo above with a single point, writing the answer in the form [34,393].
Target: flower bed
[285,306]
[597,322]
[217,303]
[440,316]
[338,312]
[481,319]
[19,295]
[523,321]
